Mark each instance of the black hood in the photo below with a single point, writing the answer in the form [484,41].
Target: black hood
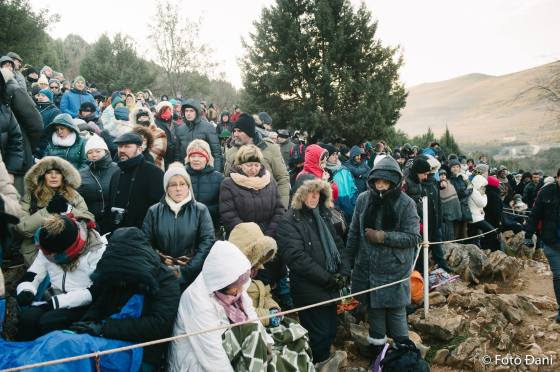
[192,103]
[129,261]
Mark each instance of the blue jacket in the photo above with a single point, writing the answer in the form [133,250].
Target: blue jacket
[359,170]
[73,99]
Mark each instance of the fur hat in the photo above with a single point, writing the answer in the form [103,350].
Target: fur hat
[249,153]
[96,142]
[176,169]
[250,240]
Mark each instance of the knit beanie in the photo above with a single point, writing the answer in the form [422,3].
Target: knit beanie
[482,168]
[58,234]
[122,113]
[176,169]
[265,118]
[54,81]
[43,80]
[87,106]
[79,78]
[454,162]
[493,181]
[117,99]
[420,165]
[47,93]
[95,142]
[246,124]
[201,148]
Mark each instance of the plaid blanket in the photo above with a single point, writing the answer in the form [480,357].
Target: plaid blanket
[247,349]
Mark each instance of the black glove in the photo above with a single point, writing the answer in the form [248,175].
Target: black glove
[92,328]
[332,284]
[25,298]
[58,204]
[341,281]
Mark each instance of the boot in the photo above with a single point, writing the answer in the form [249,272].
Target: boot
[333,362]
[556,284]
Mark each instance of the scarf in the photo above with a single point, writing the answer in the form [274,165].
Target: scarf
[176,207]
[131,163]
[332,256]
[233,305]
[334,167]
[382,202]
[255,183]
[64,142]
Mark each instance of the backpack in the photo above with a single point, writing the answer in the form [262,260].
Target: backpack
[297,154]
[404,356]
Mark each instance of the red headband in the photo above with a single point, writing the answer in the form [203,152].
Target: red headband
[200,152]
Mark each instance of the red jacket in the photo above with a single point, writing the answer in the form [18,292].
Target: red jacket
[312,165]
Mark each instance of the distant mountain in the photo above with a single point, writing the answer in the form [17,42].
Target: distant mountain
[480,108]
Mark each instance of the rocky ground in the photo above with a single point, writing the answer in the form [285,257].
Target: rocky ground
[503,305]
[499,317]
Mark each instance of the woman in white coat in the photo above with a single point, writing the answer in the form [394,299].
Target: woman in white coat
[477,202]
[217,297]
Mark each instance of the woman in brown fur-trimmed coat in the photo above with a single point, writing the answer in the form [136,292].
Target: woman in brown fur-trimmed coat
[50,188]
[156,146]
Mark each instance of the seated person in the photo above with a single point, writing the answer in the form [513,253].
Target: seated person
[130,266]
[258,249]
[68,253]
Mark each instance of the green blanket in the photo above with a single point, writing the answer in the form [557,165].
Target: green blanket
[248,352]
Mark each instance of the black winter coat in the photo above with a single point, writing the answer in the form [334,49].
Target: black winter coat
[95,189]
[130,266]
[463,192]
[240,204]
[29,120]
[189,234]
[206,189]
[11,141]
[200,129]
[547,210]
[136,187]
[494,206]
[300,248]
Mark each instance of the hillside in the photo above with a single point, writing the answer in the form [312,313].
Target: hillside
[482,109]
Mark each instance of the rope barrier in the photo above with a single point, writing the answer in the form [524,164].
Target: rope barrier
[98,354]
[518,211]
[516,215]
[468,238]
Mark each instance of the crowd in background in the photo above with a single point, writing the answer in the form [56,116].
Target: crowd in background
[217,216]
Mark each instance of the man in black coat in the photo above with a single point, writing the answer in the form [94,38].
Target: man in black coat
[196,128]
[130,266]
[547,212]
[11,143]
[420,182]
[137,186]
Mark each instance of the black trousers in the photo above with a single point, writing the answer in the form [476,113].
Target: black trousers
[37,321]
[489,241]
[320,322]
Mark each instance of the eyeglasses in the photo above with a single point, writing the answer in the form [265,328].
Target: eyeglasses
[53,87]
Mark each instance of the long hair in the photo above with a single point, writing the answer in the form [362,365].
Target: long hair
[43,194]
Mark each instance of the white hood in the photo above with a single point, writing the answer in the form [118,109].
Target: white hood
[199,309]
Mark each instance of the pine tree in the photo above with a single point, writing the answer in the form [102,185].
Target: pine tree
[115,65]
[448,143]
[317,65]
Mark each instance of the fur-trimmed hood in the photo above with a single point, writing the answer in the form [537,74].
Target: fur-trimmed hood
[298,200]
[70,174]
[134,114]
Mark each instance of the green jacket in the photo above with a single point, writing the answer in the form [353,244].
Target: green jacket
[74,154]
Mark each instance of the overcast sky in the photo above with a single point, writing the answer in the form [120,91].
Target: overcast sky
[440,39]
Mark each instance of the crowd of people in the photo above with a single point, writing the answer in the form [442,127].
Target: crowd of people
[216,219]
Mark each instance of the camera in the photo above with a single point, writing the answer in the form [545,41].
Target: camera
[118,215]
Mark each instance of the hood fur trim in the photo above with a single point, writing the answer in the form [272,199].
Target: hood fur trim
[70,174]
[298,200]
[134,113]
